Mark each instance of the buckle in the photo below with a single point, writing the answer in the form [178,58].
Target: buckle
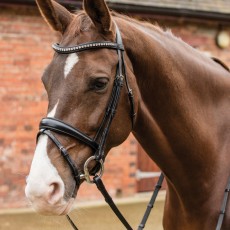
[87,175]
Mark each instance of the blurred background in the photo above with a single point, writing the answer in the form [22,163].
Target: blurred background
[25,50]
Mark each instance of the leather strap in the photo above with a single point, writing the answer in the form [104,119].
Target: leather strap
[66,129]
[111,110]
[223,206]
[151,202]
[109,201]
[122,69]
[65,155]
[71,223]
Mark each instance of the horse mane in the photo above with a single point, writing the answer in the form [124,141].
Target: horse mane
[167,32]
[151,26]
[82,22]
[144,23]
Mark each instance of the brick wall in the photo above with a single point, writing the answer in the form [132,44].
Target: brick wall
[24,45]
[24,52]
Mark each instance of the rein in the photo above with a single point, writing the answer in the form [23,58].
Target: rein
[97,144]
[97,180]
[223,206]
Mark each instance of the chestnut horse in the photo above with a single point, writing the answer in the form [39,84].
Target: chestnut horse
[181,106]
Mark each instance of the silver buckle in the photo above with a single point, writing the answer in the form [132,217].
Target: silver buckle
[86,176]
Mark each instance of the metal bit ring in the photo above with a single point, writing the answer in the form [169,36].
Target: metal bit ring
[86,171]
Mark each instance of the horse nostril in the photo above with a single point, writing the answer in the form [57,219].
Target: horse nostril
[55,193]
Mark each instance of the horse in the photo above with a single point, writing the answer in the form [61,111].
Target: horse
[176,103]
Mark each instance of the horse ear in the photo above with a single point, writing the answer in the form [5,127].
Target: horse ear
[99,13]
[54,14]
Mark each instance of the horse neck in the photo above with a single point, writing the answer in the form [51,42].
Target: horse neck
[173,125]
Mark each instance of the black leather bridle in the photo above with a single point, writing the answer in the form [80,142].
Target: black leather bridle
[97,144]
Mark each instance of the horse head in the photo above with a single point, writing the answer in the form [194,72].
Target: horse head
[83,82]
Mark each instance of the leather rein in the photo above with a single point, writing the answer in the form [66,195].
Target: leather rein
[49,125]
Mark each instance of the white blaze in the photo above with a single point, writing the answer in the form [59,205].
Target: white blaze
[53,111]
[70,62]
[43,175]
[42,171]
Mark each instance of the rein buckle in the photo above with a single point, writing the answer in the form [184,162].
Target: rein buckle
[87,175]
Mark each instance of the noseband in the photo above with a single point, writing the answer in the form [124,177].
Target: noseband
[97,144]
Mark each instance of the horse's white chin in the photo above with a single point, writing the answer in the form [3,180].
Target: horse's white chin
[53,210]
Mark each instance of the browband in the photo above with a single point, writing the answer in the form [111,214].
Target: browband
[87,46]
[63,128]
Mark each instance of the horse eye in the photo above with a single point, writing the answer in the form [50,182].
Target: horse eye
[100,84]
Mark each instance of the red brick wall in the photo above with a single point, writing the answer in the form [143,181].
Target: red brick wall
[24,52]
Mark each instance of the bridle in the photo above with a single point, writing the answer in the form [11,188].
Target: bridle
[97,144]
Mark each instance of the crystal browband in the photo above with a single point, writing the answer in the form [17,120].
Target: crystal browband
[86,46]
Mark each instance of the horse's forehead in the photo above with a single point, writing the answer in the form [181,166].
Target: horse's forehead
[67,68]
[60,68]
[85,63]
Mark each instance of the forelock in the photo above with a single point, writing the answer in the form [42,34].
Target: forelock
[81,22]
